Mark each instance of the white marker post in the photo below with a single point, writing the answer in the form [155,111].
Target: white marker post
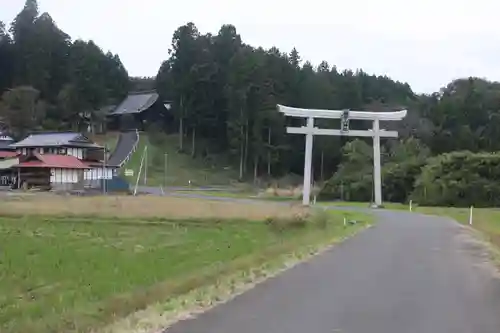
[470,215]
[376,133]
[410,205]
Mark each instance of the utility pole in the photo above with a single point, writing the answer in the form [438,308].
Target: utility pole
[165,172]
[104,173]
[146,165]
[139,173]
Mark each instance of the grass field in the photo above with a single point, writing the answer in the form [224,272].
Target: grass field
[78,266]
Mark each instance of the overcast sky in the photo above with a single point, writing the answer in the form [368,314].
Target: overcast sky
[426,43]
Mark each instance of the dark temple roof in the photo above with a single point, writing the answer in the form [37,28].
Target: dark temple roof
[136,103]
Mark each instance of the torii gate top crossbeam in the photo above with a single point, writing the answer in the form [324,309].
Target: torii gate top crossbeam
[337,114]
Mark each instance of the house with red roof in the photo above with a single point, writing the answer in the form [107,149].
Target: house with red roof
[51,171]
[60,161]
[8,158]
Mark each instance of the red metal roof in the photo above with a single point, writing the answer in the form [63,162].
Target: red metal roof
[8,154]
[54,161]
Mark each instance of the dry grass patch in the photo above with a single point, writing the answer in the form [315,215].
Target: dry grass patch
[145,207]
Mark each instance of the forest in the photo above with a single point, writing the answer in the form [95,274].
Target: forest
[224,94]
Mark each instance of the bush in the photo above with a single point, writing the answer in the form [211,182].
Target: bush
[354,179]
[460,179]
[398,179]
[298,221]
[356,187]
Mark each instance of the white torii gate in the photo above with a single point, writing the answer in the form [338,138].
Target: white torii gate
[376,133]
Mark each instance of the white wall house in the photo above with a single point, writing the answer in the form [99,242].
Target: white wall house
[6,176]
[65,176]
[69,159]
[97,173]
[76,152]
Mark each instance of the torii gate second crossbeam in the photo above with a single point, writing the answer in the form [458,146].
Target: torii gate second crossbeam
[345,115]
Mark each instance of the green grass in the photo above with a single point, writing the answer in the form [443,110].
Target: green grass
[181,167]
[74,274]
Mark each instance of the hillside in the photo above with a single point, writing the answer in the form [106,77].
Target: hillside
[109,140]
[180,168]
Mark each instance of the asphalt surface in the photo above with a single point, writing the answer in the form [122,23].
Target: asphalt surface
[407,274]
[124,146]
[155,190]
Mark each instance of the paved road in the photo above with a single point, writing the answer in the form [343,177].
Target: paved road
[123,148]
[408,274]
[155,190]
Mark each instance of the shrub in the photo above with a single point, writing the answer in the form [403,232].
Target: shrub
[279,224]
[353,181]
[398,179]
[460,179]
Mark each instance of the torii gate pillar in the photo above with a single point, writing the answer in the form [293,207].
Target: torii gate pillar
[306,190]
[345,115]
[377,174]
